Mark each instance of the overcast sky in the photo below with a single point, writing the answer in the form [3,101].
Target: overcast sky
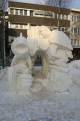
[75,3]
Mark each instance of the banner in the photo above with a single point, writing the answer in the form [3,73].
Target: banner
[4,5]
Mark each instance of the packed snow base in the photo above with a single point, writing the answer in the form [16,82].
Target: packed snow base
[49,92]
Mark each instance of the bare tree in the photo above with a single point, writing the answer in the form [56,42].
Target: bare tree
[59,3]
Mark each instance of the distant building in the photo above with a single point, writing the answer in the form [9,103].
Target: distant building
[22,16]
[75,31]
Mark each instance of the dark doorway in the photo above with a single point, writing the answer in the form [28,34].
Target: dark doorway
[38,61]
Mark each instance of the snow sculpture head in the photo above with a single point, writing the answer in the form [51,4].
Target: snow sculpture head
[19,45]
[60,46]
[39,37]
[20,49]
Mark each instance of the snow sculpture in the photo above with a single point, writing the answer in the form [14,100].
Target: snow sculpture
[58,52]
[20,71]
[39,37]
[74,71]
[54,48]
[19,46]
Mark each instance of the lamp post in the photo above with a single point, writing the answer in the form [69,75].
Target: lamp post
[60,1]
[2,39]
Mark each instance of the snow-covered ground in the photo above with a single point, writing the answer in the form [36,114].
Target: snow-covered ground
[42,106]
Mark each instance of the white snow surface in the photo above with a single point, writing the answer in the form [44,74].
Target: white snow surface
[41,106]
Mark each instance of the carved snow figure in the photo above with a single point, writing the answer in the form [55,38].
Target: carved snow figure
[38,43]
[40,62]
[58,53]
[39,37]
[20,70]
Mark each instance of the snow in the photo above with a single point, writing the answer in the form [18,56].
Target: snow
[40,37]
[19,45]
[61,39]
[44,106]
[59,74]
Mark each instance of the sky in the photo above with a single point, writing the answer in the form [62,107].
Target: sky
[75,3]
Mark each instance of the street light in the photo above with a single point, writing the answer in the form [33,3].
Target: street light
[2,39]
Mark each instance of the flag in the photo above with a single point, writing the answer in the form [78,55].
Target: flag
[5,5]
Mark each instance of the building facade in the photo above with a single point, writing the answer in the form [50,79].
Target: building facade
[75,31]
[23,16]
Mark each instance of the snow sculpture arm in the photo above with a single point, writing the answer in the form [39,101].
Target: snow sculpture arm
[22,60]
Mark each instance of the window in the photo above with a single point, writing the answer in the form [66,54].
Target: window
[75,30]
[12,11]
[48,14]
[31,13]
[77,42]
[21,26]
[62,16]
[16,11]
[72,30]
[25,12]
[78,31]
[55,15]
[16,26]
[21,12]
[65,17]
[78,17]
[28,12]
[72,18]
